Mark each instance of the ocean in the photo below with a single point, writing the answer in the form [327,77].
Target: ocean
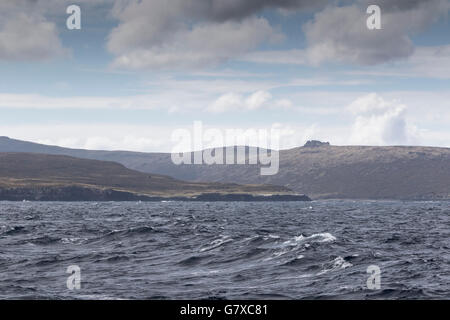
[225,250]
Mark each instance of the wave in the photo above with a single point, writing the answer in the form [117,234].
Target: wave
[44,240]
[316,237]
[224,252]
[129,231]
[193,260]
[15,230]
[337,264]
[74,240]
[216,243]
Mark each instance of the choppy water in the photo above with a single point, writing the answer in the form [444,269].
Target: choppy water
[180,250]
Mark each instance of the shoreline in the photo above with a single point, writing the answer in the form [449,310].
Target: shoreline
[80,194]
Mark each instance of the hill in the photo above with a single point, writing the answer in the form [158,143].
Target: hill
[320,170]
[54,177]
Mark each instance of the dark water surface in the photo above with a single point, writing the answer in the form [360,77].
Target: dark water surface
[186,250]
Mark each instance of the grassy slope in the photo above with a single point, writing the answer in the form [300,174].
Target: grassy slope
[352,172]
[29,170]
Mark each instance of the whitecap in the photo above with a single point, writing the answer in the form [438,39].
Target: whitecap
[216,243]
[326,237]
[73,240]
[319,237]
[338,264]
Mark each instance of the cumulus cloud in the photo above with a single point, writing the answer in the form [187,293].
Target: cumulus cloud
[191,33]
[380,122]
[221,10]
[25,34]
[203,45]
[398,5]
[257,99]
[254,101]
[29,31]
[340,33]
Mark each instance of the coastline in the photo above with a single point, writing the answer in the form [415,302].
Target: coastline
[77,193]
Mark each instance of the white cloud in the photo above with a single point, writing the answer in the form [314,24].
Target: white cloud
[95,136]
[257,100]
[284,103]
[372,104]
[229,101]
[378,128]
[35,101]
[143,138]
[238,102]
[380,122]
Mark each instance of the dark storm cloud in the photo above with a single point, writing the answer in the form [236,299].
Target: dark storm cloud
[399,5]
[192,32]
[222,10]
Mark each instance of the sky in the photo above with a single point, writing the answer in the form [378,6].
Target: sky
[137,71]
